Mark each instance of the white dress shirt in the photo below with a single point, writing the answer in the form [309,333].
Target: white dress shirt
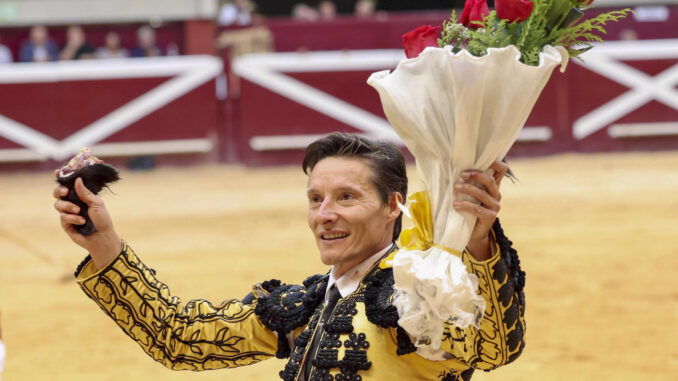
[349,282]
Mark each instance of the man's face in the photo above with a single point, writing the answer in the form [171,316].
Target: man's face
[38,35]
[345,213]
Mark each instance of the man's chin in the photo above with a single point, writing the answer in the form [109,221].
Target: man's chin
[327,260]
[330,257]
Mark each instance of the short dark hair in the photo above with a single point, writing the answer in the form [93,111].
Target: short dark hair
[389,171]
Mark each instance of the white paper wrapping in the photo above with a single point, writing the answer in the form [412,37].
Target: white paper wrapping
[454,112]
[432,287]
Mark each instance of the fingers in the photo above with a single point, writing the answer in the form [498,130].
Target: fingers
[500,169]
[483,214]
[70,219]
[68,214]
[62,206]
[483,187]
[60,191]
[85,194]
[480,194]
[483,181]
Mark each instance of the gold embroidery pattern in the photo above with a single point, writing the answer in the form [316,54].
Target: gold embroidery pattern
[500,337]
[193,336]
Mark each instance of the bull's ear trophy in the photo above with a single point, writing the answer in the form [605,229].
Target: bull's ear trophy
[95,175]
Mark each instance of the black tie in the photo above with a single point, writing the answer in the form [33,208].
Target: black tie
[331,302]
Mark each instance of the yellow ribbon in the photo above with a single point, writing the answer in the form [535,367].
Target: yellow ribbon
[419,236]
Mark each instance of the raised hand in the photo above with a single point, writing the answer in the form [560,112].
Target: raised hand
[104,244]
[484,188]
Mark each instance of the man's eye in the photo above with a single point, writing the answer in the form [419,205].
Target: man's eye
[314,199]
[346,196]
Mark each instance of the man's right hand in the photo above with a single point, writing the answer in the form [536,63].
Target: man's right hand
[104,245]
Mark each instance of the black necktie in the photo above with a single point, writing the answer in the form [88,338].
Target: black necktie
[331,302]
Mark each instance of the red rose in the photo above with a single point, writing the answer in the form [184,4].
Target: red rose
[514,10]
[415,41]
[474,11]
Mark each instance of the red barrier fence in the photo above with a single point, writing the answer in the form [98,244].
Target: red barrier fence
[124,107]
[623,98]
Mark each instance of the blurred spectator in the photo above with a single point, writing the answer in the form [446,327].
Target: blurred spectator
[146,45]
[327,10]
[172,49]
[284,7]
[303,12]
[364,8]
[236,12]
[628,35]
[5,54]
[39,47]
[409,5]
[276,7]
[344,6]
[76,46]
[112,47]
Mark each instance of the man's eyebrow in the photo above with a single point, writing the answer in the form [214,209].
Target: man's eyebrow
[343,188]
[350,188]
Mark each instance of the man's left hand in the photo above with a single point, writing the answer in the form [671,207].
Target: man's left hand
[483,187]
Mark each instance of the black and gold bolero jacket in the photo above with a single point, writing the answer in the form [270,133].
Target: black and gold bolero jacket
[362,340]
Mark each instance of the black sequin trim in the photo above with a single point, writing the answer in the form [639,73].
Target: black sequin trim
[355,352]
[313,279]
[342,318]
[355,358]
[466,375]
[322,375]
[284,350]
[289,306]
[286,308]
[378,307]
[405,345]
[248,299]
[331,340]
[297,356]
[326,358]
[380,311]
[516,284]
[302,339]
[510,255]
[271,285]
[82,265]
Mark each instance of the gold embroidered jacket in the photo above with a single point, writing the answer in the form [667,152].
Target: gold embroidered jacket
[362,340]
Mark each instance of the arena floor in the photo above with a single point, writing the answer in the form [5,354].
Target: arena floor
[597,235]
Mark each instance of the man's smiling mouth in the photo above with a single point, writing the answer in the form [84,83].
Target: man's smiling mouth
[333,236]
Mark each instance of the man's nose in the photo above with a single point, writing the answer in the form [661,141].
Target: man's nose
[326,212]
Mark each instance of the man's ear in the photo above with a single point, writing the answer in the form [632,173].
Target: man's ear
[393,200]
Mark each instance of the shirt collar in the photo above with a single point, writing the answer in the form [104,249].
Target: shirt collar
[349,282]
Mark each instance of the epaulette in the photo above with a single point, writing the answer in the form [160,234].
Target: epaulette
[283,307]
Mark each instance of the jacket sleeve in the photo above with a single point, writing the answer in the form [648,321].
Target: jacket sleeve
[500,337]
[194,335]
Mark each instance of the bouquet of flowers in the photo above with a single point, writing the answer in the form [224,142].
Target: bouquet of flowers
[458,102]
